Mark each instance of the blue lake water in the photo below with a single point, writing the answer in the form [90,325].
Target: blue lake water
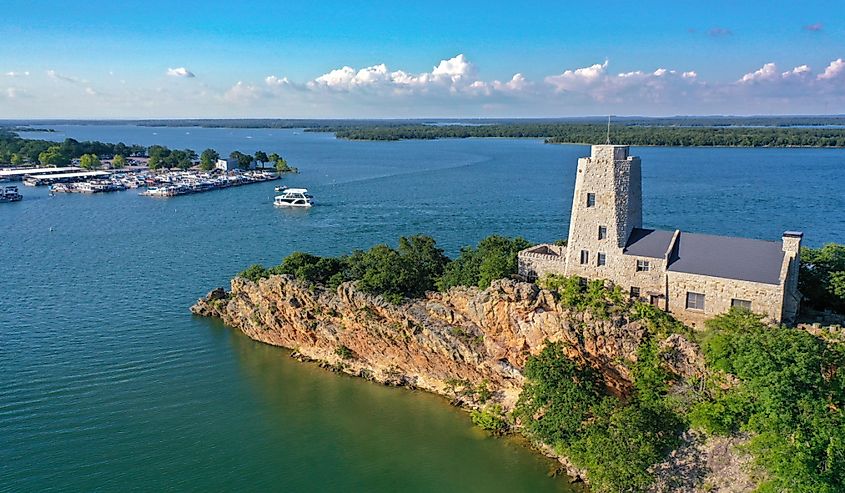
[108,383]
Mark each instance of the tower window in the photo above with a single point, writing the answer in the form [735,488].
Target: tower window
[591,200]
[585,257]
[601,259]
[643,266]
[695,301]
[602,232]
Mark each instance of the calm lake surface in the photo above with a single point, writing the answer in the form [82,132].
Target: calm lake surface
[108,383]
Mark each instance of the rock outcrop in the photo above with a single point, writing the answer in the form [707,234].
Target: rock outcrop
[441,343]
[452,343]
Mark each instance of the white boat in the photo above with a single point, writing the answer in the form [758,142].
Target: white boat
[10,194]
[294,197]
[280,188]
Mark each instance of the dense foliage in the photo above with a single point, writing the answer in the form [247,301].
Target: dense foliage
[17,151]
[789,396]
[416,266]
[822,277]
[494,258]
[564,404]
[783,386]
[593,133]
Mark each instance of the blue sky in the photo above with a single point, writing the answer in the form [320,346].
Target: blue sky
[287,59]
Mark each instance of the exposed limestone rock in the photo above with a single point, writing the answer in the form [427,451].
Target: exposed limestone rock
[714,464]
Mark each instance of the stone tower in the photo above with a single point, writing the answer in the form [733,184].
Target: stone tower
[606,207]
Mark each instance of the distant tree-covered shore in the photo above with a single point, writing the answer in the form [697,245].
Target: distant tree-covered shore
[592,133]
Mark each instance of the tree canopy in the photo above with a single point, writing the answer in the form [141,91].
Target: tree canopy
[822,277]
[208,159]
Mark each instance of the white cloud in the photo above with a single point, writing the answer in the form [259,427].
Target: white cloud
[451,87]
[273,81]
[57,76]
[242,92]
[17,74]
[517,83]
[578,79]
[455,68]
[834,70]
[454,74]
[767,72]
[180,72]
[799,71]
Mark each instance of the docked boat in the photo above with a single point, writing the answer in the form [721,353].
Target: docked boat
[294,197]
[10,194]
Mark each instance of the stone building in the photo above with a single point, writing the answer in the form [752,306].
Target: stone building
[693,276]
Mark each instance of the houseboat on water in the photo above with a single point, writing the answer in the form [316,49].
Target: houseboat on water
[294,197]
[10,194]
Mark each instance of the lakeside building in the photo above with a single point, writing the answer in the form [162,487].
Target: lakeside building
[692,276]
[227,164]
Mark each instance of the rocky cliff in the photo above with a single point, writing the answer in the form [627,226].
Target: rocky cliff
[445,341]
[455,343]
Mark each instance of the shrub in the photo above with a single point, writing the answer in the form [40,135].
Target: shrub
[491,418]
[494,258]
[789,396]
[310,268]
[822,277]
[254,272]
[564,405]
[409,271]
[343,351]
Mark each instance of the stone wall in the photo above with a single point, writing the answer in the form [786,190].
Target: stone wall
[766,299]
[539,260]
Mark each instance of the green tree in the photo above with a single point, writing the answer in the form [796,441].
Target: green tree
[52,156]
[424,262]
[495,258]
[261,157]
[118,162]
[89,161]
[311,268]
[789,395]
[282,166]
[155,162]
[273,157]
[822,277]
[254,273]
[208,159]
[16,159]
[244,160]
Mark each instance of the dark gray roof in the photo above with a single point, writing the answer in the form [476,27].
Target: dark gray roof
[728,257]
[648,243]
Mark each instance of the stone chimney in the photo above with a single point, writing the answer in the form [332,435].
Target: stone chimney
[789,275]
[792,241]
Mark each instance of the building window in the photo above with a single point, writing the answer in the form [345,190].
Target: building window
[601,259]
[602,232]
[744,304]
[643,266]
[591,200]
[585,257]
[695,301]
[635,292]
